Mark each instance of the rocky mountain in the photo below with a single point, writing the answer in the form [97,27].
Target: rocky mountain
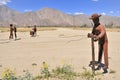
[7,14]
[49,17]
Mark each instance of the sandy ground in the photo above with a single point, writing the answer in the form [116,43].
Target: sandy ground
[54,47]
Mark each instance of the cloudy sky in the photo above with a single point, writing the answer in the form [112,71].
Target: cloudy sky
[104,7]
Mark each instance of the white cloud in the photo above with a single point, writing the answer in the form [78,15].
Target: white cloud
[95,0]
[27,10]
[78,13]
[111,12]
[4,2]
[103,13]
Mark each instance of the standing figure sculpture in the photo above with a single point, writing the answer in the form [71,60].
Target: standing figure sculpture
[11,31]
[100,35]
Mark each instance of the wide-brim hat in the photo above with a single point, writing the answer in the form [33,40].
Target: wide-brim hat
[94,16]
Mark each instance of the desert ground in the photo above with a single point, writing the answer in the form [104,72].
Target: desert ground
[55,47]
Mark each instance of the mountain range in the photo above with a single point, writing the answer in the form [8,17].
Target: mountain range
[50,17]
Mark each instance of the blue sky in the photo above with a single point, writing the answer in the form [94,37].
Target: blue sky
[104,7]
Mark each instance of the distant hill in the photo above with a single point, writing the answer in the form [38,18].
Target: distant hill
[50,17]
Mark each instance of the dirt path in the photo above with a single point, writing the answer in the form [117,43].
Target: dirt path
[54,47]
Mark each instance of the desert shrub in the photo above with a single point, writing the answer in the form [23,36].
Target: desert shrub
[89,75]
[64,72]
[45,73]
[26,76]
[8,74]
